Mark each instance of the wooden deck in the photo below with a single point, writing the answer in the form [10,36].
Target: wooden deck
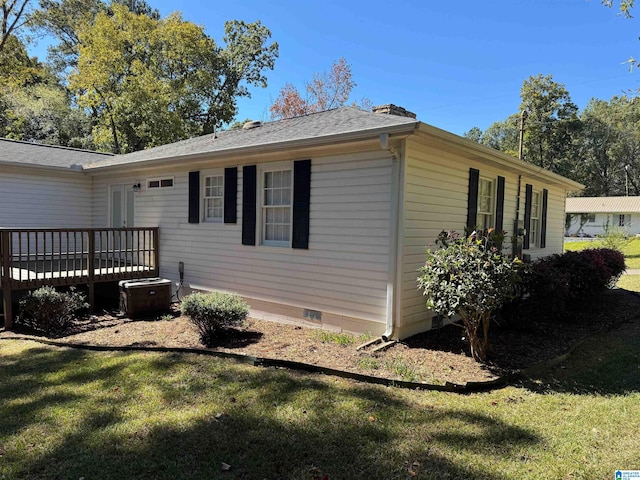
[33,257]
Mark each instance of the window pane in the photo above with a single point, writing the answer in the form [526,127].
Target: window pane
[277,205]
[286,178]
[214,197]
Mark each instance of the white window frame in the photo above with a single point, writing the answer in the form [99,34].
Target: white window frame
[536,210]
[205,197]
[262,208]
[490,214]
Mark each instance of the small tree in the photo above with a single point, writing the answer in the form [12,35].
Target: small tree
[468,277]
[614,238]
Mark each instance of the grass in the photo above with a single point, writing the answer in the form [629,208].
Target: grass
[631,251]
[95,415]
[629,282]
[344,339]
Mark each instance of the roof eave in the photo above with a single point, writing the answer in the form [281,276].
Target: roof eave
[309,142]
[495,156]
[66,169]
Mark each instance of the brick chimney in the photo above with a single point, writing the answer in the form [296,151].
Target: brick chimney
[391,109]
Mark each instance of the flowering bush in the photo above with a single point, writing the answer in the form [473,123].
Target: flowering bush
[468,277]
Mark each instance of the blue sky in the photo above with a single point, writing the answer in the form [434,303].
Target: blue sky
[456,64]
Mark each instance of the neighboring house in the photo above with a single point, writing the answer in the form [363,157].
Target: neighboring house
[590,216]
[322,219]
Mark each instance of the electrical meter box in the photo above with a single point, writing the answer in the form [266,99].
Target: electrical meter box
[145,295]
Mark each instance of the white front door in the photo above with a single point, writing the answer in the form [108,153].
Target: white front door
[122,206]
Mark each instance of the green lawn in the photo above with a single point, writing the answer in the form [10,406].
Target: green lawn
[631,251]
[629,282]
[70,414]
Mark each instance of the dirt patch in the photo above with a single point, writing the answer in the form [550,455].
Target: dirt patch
[436,357]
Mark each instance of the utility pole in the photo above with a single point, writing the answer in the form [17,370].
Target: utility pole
[626,178]
[523,117]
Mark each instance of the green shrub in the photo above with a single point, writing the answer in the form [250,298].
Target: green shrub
[468,277]
[49,310]
[561,282]
[614,238]
[213,312]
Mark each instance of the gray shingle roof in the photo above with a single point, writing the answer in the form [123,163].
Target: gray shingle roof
[26,153]
[331,123]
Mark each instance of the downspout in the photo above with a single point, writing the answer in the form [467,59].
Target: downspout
[394,228]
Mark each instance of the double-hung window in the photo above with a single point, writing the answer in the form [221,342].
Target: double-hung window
[276,206]
[213,198]
[486,201]
[534,228]
[622,220]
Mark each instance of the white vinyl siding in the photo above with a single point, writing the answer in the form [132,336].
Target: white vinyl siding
[343,273]
[31,198]
[596,227]
[213,193]
[435,198]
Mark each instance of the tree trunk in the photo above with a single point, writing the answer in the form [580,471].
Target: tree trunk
[477,329]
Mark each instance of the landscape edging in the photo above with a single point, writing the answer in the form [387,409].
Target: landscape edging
[468,387]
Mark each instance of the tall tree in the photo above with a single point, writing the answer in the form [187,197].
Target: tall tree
[13,15]
[34,106]
[327,90]
[157,81]
[552,122]
[62,19]
[503,136]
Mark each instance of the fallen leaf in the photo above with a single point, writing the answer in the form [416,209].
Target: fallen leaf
[225,467]
[411,473]
[372,418]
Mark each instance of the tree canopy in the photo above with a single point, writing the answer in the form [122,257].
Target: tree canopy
[131,78]
[325,91]
[599,146]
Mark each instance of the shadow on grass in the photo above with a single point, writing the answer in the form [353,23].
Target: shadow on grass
[607,364]
[265,423]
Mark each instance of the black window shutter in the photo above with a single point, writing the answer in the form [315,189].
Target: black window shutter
[500,206]
[231,195]
[194,197]
[472,199]
[301,201]
[543,219]
[249,205]
[527,214]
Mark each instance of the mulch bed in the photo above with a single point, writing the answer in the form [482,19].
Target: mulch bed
[435,357]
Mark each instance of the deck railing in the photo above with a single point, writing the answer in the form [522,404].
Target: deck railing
[32,257]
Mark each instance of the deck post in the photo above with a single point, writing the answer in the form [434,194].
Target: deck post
[91,256]
[5,278]
[156,251]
